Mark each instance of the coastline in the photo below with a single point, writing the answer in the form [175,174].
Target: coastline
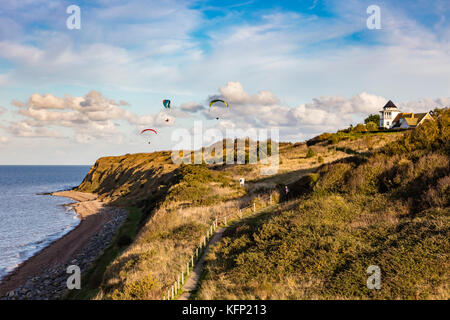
[43,276]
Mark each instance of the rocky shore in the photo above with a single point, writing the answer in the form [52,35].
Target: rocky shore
[52,283]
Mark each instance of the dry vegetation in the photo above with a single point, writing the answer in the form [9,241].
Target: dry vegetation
[177,204]
[389,208]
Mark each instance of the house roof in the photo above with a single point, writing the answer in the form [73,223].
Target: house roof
[412,119]
[390,105]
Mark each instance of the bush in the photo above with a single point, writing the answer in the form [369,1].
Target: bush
[332,177]
[334,139]
[142,289]
[320,159]
[359,128]
[311,153]
[371,126]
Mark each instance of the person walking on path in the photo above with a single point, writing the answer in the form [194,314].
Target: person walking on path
[286,189]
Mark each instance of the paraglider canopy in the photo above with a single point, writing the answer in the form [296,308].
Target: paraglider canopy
[218,100]
[215,101]
[149,130]
[145,130]
[166,104]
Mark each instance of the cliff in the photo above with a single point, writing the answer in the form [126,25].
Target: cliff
[360,191]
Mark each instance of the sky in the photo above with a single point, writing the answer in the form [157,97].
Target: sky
[70,96]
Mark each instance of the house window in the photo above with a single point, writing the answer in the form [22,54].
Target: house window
[387,123]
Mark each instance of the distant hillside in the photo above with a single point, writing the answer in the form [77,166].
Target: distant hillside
[388,208]
[171,207]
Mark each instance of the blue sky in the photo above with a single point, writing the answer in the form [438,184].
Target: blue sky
[302,66]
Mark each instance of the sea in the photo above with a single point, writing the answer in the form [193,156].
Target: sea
[30,219]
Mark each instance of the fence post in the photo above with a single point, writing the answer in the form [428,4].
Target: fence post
[192,261]
[254,206]
[240,213]
[225,219]
[173,290]
[187,269]
[168,294]
[271,199]
[178,284]
[182,277]
[211,229]
[204,241]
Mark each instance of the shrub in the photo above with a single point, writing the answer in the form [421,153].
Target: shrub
[334,139]
[359,128]
[138,290]
[371,126]
[311,153]
[320,159]
[332,177]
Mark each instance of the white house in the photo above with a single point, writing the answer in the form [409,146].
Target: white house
[392,118]
[388,114]
[410,120]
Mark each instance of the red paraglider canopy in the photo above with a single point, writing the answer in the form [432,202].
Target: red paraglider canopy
[145,130]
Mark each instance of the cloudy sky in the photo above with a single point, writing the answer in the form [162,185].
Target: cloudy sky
[70,96]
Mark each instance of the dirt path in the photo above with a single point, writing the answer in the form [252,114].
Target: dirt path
[192,282]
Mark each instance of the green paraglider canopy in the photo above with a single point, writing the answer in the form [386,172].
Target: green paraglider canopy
[218,100]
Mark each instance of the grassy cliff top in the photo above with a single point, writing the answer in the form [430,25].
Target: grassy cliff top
[336,189]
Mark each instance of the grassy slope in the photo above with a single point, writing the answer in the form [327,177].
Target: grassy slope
[176,205]
[389,209]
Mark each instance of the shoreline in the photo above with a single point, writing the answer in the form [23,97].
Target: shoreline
[43,275]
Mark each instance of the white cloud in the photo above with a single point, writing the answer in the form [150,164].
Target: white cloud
[24,129]
[46,101]
[424,105]
[191,107]
[91,117]
[295,55]
[327,113]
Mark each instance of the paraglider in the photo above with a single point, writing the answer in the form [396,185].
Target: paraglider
[166,104]
[215,101]
[218,100]
[148,130]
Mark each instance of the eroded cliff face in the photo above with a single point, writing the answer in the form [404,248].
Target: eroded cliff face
[130,180]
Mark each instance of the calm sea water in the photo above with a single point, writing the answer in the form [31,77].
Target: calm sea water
[29,221]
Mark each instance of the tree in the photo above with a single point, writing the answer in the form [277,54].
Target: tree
[372,118]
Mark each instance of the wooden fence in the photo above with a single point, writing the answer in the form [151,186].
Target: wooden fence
[175,289]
